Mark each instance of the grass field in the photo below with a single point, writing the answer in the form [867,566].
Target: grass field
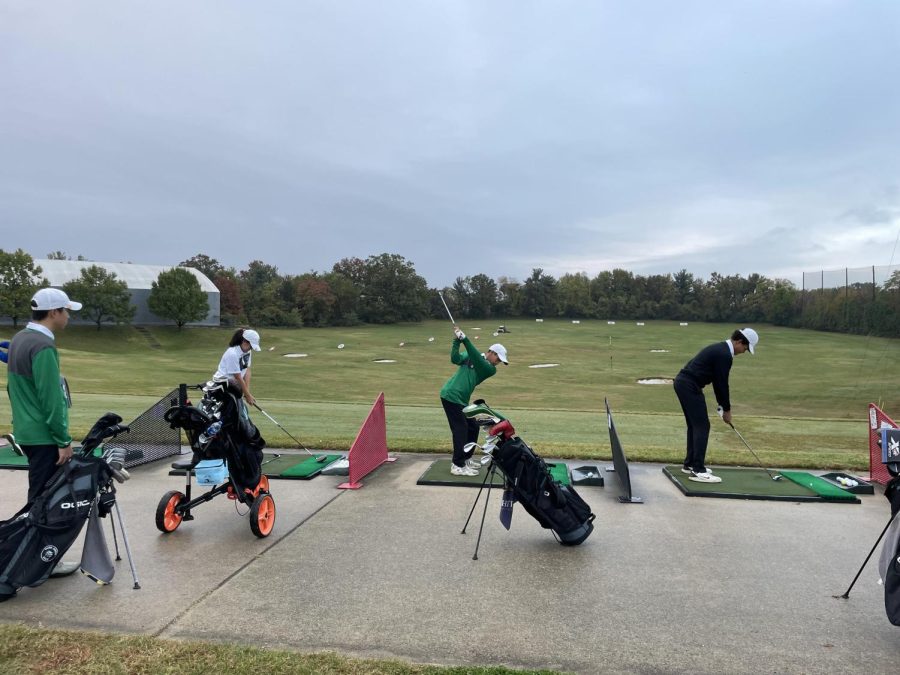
[800,401]
[37,650]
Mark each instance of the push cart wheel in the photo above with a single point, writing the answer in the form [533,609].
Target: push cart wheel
[167,518]
[262,515]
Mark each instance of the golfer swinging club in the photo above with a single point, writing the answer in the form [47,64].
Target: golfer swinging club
[711,365]
[474,368]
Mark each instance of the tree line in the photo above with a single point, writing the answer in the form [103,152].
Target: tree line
[385,289]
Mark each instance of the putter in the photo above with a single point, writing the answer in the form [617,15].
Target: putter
[774,476]
[319,459]
[441,296]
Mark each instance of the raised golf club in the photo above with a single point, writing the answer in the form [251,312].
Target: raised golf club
[319,458]
[773,476]
[441,296]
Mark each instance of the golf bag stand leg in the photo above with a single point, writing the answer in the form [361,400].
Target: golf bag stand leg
[112,522]
[137,584]
[487,498]
[488,475]
[846,595]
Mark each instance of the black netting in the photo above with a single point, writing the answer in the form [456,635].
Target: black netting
[151,437]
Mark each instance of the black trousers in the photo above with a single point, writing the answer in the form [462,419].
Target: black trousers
[693,404]
[463,429]
[41,466]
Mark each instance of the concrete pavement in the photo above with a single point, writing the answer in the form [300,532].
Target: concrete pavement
[674,585]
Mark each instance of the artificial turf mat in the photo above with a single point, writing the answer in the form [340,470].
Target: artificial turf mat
[302,467]
[10,460]
[439,474]
[752,483]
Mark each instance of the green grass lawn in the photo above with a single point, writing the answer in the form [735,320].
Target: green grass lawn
[36,650]
[800,401]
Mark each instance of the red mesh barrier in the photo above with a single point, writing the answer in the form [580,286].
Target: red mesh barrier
[369,449]
[878,421]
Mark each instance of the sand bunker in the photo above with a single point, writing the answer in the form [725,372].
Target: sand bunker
[384,361]
[544,365]
[294,356]
[659,351]
[655,380]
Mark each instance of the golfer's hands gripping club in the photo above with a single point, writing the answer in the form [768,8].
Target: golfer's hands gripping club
[458,333]
[725,415]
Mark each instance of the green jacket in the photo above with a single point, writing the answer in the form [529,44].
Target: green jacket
[473,370]
[39,412]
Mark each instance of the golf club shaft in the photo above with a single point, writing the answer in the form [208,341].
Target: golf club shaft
[275,422]
[441,296]
[758,460]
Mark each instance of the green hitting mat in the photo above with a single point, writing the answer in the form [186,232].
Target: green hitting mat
[752,483]
[297,467]
[10,460]
[439,474]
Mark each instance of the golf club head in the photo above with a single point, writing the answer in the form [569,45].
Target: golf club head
[469,448]
[485,460]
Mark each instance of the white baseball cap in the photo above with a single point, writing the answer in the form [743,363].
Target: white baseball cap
[252,337]
[752,337]
[500,351]
[53,298]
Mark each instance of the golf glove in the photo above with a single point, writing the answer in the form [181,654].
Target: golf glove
[459,335]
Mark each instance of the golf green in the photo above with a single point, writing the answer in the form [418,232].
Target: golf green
[439,474]
[751,483]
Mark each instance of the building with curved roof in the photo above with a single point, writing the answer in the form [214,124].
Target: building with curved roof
[138,278]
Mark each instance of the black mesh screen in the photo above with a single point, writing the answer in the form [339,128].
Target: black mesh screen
[151,437]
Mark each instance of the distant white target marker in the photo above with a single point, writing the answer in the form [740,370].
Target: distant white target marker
[544,365]
[295,356]
[341,346]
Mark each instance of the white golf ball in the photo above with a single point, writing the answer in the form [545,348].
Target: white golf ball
[431,339]
[271,349]
[341,346]
[401,344]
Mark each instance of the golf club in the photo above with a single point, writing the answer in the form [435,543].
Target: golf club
[320,458]
[758,460]
[441,296]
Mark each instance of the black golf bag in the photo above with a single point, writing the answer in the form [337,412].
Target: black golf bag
[889,563]
[34,540]
[217,428]
[556,507]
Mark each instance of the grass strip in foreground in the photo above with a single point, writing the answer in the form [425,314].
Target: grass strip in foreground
[25,650]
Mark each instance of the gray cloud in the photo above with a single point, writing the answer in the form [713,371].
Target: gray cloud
[469,137]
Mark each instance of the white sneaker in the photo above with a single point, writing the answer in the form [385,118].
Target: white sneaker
[473,464]
[705,477]
[462,470]
[687,470]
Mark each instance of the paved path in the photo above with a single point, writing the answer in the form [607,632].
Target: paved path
[675,585]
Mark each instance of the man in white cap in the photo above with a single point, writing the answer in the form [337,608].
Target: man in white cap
[711,365]
[474,368]
[39,410]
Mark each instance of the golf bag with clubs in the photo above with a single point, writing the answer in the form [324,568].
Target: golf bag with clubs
[35,539]
[556,507]
[218,428]
[889,563]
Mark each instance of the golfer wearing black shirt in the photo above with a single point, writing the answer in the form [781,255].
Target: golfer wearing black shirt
[711,366]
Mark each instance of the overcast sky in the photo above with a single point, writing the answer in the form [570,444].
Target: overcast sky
[481,136]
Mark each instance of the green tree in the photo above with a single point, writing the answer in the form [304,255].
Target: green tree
[539,294]
[20,278]
[177,295]
[259,284]
[202,262]
[574,296]
[483,296]
[392,291]
[104,297]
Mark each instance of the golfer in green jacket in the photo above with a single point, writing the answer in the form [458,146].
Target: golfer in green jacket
[474,368]
[40,414]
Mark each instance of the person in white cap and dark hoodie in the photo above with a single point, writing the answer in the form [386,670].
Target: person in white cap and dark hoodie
[40,411]
[234,365]
[474,368]
[711,365]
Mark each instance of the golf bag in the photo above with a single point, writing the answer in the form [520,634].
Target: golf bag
[889,563]
[556,507]
[219,428]
[34,540]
